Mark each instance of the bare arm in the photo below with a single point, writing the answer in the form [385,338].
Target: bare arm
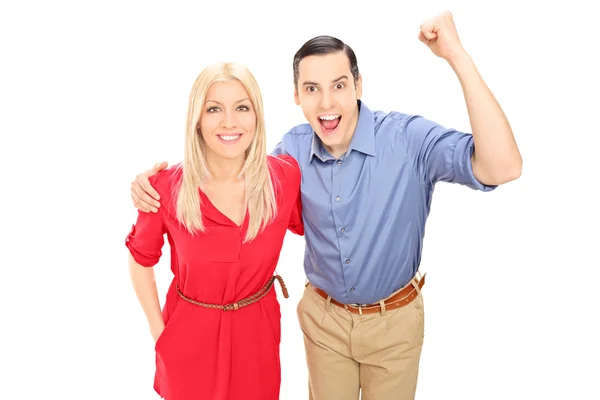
[145,289]
[496,159]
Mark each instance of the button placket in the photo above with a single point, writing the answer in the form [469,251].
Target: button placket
[337,216]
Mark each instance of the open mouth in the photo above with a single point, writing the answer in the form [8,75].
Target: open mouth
[330,123]
[230,138]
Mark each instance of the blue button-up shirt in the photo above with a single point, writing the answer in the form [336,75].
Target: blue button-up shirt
[364,213]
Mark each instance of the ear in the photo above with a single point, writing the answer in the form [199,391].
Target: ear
[359,87]
[296,98]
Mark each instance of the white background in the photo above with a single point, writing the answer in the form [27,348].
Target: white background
[93,93]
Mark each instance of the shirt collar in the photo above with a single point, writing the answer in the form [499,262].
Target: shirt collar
[363,139]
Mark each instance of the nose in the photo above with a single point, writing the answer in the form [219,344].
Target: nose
[229,120]
[326,100]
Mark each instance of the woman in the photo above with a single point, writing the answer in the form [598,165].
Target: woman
[225,211]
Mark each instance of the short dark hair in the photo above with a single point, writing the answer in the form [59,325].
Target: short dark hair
[321,45]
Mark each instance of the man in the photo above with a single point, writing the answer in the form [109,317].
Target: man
[368,179]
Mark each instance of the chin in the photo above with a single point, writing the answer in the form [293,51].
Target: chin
[230,155]
[334,140]
[236,156]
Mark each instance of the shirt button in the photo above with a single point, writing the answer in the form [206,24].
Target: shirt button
[347,261]
[337,198]
[339,162]
[343,230]
[352,289]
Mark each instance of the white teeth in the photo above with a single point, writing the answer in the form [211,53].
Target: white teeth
[329,117]
[229,138]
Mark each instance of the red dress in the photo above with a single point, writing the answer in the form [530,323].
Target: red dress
[208,353]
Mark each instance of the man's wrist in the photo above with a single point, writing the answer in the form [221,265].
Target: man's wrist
[463,66]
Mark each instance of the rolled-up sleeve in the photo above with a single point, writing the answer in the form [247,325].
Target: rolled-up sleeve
[146,237]
[439,154]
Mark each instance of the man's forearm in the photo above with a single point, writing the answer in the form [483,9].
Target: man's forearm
[497,159]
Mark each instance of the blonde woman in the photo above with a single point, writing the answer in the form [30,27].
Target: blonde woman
[225,211]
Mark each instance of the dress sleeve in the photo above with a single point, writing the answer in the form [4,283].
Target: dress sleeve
[293,181]
[146,237]
[296,224]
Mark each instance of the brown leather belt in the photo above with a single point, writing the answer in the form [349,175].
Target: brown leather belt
[398,300]
[244,302]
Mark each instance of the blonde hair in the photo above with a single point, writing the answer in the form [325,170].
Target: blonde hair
[260,197]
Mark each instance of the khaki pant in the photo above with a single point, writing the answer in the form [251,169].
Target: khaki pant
[375,354]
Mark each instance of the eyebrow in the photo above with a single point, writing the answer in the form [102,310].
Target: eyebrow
[237,102]
[334,81]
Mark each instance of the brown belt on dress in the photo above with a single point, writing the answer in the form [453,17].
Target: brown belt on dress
[244,302]
[397,300]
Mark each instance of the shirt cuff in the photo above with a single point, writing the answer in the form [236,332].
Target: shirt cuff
[463,167]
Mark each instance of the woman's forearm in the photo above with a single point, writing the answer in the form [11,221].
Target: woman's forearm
[144,285]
